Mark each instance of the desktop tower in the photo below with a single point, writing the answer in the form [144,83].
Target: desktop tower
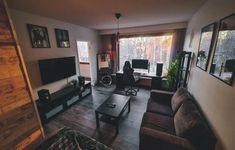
[159,69]
[44,95]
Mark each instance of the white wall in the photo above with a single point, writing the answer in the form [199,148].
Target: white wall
[216,98]
[32,55]
[85,70]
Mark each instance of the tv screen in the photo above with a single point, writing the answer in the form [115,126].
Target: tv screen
[140,63]
[55,69]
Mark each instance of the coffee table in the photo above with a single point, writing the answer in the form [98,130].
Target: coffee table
[111,114]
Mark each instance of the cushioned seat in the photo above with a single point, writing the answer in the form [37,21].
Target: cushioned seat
[158,122]
[167,103]
[179,97]
[158,107]
[190,124]
[173,122]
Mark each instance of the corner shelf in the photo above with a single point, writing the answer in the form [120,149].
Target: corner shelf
[183,69]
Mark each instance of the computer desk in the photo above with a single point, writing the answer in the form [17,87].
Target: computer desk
[145,79]
[141,74]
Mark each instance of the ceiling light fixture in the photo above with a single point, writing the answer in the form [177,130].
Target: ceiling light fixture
[118,15]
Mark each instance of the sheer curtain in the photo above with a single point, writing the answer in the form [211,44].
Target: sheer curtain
[155,48]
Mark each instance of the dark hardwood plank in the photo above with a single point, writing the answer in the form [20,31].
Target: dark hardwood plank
[81,117]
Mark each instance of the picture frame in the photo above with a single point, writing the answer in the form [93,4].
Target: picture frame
[62,38]
[223,62]
[205,46]
[38,36]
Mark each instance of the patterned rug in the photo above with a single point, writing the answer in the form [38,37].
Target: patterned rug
[69,139]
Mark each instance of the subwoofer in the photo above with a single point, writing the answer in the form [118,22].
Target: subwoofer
[159,69]
[81,80]
[44,95]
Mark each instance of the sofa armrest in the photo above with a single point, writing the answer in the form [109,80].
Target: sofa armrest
[163,96]
[151,139]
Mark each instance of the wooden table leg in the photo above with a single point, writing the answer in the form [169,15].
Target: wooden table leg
[129,106]
[97,119]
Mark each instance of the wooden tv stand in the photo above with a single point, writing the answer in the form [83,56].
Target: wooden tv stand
[61,100]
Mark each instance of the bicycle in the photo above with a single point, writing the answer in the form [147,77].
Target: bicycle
[106,79]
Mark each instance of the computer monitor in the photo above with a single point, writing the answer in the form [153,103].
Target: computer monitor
[140,63]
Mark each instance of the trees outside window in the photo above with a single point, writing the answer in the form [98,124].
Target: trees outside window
[154,48]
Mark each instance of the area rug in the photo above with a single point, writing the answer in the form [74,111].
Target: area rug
[69,139]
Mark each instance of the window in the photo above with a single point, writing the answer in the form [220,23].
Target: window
[154,48]
[83,52]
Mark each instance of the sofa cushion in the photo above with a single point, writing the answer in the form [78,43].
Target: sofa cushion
[154,106]
[162,96]
[158,122]
[189,123]
[177,99]
[151,139]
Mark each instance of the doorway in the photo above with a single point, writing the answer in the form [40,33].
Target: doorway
[84,59]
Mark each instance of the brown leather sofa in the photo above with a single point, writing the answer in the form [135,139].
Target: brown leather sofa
[174,122]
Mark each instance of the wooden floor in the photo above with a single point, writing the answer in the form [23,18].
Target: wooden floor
[82,118]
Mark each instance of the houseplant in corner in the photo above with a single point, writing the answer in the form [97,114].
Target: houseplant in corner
[172,75]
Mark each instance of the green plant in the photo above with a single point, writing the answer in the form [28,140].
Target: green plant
[172,73]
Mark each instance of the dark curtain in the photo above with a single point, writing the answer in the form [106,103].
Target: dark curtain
[177,43]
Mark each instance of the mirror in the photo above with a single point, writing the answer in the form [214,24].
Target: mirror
[205,46]
[223,63]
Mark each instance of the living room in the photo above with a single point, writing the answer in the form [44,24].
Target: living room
[22,120]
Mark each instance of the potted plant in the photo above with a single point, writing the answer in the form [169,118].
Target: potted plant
[172,74]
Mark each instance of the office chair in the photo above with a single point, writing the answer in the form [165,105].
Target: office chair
[130,80]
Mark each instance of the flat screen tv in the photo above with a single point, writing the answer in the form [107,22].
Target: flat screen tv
[56,69]
[140,63]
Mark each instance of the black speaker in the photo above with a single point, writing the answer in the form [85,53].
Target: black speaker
[81,80]
[159,69]
[213,68]
[74,83]
[44,95]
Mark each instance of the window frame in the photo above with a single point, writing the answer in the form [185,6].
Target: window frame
[83,62]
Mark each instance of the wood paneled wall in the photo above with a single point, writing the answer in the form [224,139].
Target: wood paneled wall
[20,127]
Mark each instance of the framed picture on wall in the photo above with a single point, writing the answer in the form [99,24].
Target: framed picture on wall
[223,63]
[205,46]
[38,36]
[62,38]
